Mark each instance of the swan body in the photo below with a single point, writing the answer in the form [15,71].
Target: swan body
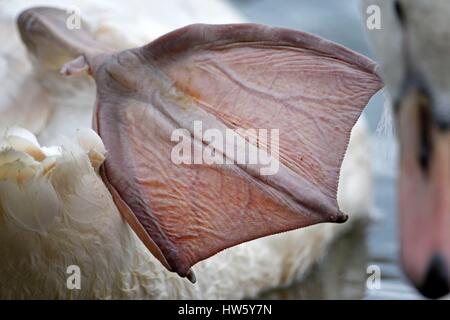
[55,211]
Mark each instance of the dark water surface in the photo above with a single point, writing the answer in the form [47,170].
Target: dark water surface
[342,274]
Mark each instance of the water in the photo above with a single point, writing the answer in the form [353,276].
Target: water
[342,274]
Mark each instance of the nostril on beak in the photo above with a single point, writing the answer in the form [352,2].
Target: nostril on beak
[436,282]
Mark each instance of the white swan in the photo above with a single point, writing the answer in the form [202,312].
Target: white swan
[55,212]
[413,49]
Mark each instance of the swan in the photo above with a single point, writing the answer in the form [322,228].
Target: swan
[412,48]
[56,212]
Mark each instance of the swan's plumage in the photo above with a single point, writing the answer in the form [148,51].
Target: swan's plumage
[56,212]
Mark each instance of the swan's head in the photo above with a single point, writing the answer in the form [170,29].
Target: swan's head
[413,48]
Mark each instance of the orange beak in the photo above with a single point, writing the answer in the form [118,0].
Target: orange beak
[424,195]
